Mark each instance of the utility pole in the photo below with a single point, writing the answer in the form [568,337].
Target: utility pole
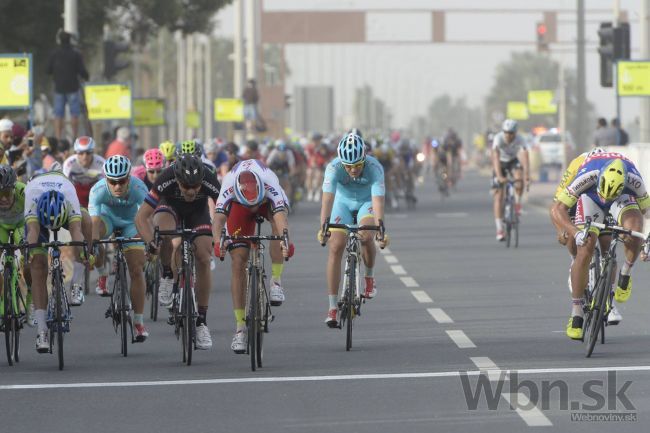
[581,94]
[251,39]
[207,94]
[238,58]
[180,86]
[70,18]
[644,117]
[160,91]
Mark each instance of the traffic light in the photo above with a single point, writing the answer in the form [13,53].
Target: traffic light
[542,37]
[622,42]
[112,65]
[287,101]
[606,51]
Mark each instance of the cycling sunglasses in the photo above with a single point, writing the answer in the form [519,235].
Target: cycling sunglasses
[117,181]
[154,171]
[182,185]
[85,152]
[358,165]
[6,193]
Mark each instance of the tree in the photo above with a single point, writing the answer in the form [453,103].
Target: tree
[444,113]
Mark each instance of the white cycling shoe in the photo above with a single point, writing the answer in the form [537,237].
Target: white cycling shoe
[165,292]
[614,317]
[76,295]
[276,295]
[203,338]
[239,342]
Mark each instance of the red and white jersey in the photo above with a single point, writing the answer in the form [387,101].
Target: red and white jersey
[273,192]
[83,178]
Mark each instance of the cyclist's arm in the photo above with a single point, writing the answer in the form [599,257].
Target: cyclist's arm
[144,222]
[378,208]
[525,162]
[281,221]
[74,227]
[97,221]
[327,203]
[218,223]
[561,221]
[496,166]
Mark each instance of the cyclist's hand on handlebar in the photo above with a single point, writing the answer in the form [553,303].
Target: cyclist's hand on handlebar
[152,248]
[581,237]
[383,241]
[321,237]
[218,252]
[501,179]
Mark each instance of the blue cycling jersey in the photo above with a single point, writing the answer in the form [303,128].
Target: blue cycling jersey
[121,210]
[370,183]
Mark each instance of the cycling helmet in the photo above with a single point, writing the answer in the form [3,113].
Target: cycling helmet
[153,159]
[193,147]
[355,131]
[595,151]
[249,188]
[509,125]
[189,169]
[611,179]
[351,149]
[168,150]
[7,177]
[6,125]
[117,167]
[51,210]
[281,145]
[84,144]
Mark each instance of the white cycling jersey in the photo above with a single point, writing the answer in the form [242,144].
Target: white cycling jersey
[274,193]
[508,152]
[50,181]
[81,175]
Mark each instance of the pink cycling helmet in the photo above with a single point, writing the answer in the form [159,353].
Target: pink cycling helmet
[154,159]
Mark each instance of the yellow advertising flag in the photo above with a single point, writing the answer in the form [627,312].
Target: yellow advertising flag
[633,78]
[15,80]
[517,110]
[228,110]
[541,102]
[108,101]
[148,112]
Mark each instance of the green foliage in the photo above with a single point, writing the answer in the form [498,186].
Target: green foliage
[444,113]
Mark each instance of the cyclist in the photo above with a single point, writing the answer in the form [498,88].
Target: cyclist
[606,182]
[451,146]
[509,155]
[168,150]
[154,163]
[353,192]
[181,193]
[283,163]
[251,189]
[51,203]
[386,156]
[321,155]
[114,201]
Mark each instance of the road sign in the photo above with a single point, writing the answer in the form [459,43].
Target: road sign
[517,110]
[15,81]
[633,78]
[541,102]
[148,112]
[228,110]
[108,101]
[193,120]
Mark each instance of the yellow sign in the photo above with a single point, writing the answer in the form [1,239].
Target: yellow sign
[517,110]
[108,101]
[193,120]
[148,112]
[228,110]
[541,102]
[15,80]
[633,78]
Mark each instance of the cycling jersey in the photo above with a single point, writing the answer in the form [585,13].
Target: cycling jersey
[141,173]
[508,152]
[13,218]
[83,178]
[281,161]
[51,181]
[570,174]
[369,183]
[586,182]
[273,192]
[117,212]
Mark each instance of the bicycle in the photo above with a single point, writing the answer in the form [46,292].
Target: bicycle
[119,309]
[12,304]
[152,281]
[183,312]
[598,302]
[258,305]
[349,304]
[510,216]
[58,307]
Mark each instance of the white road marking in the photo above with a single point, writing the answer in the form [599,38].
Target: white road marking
[439,315]
[461,340]
[533,417]
[379,376]
[409,282]
[422,296]
[486,365]
[452,215]
[391,259]
[398,270]
[385,251]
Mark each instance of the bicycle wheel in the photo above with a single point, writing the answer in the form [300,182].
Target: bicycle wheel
[350,291]
[58,324]
[189,323]
[597,308]
[7,319]
[153,286]
[262,308]
[123,308]
[252,319]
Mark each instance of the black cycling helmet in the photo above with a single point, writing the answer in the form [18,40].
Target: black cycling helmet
[7,177]
[188,169]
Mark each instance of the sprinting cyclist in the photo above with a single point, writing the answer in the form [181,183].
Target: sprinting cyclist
[606,182]
[251,189]
[50,204]
[509,155]
[353,192]
[181,193]
[153,165]
[114,202]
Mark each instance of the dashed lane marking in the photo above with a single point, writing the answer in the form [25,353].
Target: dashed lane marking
[391,259]
[452,215]
[409,282]
[461,340]
[385,251]
[439,315]
[421,296]
[533,417]
[398,270]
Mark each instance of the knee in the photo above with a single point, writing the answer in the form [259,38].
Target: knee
[202,257]
[336,248]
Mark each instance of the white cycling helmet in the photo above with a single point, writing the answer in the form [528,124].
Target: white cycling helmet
[509,125]
[84,144]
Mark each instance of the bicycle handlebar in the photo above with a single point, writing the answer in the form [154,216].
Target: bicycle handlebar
[117,240]
[254,238]
[191,233]
[615,228]
[351,228]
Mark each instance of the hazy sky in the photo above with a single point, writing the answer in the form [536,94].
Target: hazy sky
[408,77]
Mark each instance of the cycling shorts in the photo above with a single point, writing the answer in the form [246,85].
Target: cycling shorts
[241,222]
[18,229]
[348,211]
[113,223]
[506,169]
[587,207]
[198,220]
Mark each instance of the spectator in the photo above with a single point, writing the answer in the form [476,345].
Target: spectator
[622,137]
[121,145]
[6,139]
[66,66]
[604,136]
[251,97]
[46,151]
[63,150]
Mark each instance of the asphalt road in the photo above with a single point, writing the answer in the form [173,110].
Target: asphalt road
[452,302]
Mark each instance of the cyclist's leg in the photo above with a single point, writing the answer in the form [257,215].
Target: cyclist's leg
[165,219]
[104,226]
[277,260]
[202,258]
[368,248]
[134,254]
[78,268]
[4,238]
[341,214]
[585,208]
[497,203]
[38,271]
[626,212]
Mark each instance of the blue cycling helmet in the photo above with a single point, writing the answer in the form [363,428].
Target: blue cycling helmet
[117,167]
[351,149]
[51,210]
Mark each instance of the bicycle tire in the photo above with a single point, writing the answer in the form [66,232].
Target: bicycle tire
[154,289]
[515,228]
[349,295]
[179,319]
[7,316]
[123,308]
[597,313]
[262,303]
[189,330]
[252,319]
[58,324]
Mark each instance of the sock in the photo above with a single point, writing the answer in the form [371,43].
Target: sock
[499,223]
[333,300]
[240,318]
[276,272]
[138,318]
[41,323]
[167,272]
[626,269]
[203,312]
[370,272]
[78,270]
[576,307]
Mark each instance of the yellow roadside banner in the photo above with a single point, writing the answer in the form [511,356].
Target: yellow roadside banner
[15,80]
[108,101]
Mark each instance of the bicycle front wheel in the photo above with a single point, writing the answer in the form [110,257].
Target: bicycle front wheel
[595,324]
[253,318]
[350,291]
[7,316]
[123,308]
[189,323]
[58,325]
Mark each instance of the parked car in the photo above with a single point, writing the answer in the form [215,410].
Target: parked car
[554,147]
